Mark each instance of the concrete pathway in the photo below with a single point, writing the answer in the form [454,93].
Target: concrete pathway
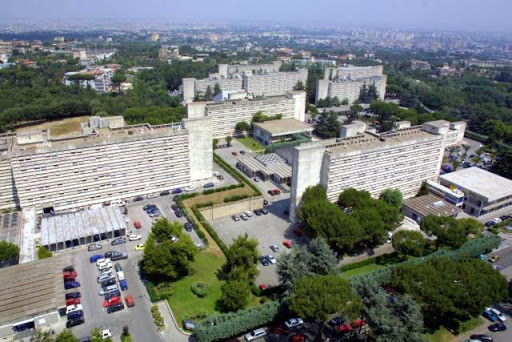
[172,331]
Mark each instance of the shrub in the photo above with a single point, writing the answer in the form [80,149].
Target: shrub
[200,289]
[206,204]
[162,291]
[157,317]
[355,265]
[42,253]
[234,198]
[211,231]
[227,325]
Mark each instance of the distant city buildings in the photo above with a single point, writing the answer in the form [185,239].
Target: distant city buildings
[167,52]
[420,65]
[346,82]
[98,78]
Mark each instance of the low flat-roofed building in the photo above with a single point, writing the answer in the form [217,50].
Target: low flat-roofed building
[484,191]
[31,295]
[81,227]
[417,208]
[269,132]
[267,166]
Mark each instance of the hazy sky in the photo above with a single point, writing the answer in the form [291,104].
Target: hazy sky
[435,14]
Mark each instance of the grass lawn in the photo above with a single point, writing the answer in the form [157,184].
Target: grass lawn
[251,144]
[361,270]
[183,302]
[58,127]
[443,335]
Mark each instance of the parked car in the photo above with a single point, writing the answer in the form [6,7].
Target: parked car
[494,258]
[73,322]
[216,173]
[137,224]
[244,217]
[190,188]
[119,256]
[129,301]
[335,321]
[114,308]
[111,301]
[94,247]
[140,247]
[72,301]
[271,192]
[106,334]
[277,192]
[242,152]
[498,327]
[108,282]
[118,241]
[491,316]
[264,261]
[70,268]
[148,206]
[69,275]
[114,293]
[134,237]
[189,325]
[288,243]
[264,211]
[73,295]
[177,191]
[108,289]
[209,185]
[71,285]
[178,213]
[271,258]
[255,334]
[248,213]
[275,248]
[174,206]
[72,308]
[498,313]
[481,338]
[293,322]
[105,266]
[95,258]
[124,285]
[165,193]
[257,212]
[105,276]
[188,226]
[234,154]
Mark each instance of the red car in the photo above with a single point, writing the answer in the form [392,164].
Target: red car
[288,243]
[111,301]
[262,287]
[277,192]
[72,301]
[69,275]
[234,154]
[129,301]
[358,323]
[137,224]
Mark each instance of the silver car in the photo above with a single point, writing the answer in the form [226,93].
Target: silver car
[94,247]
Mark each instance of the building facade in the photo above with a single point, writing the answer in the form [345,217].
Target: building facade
[225,115]
[108,163]
[402,159]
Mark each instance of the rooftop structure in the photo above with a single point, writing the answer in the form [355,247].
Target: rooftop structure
[417,208]
[272,131]
[267,166]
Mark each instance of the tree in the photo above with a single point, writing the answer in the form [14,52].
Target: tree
[450,291]
[392,197]
[503,165]
[96,336]
[299,86]
[208,95]
[450,231]
[235,295]
[43,253]
[322,260]
[216,89]
[407,242]
[229,139]
[215,142]
[66,336]
[243,257]
[293,266]
[314,193]
[344,101]
[327,125]
[336,101]
[42,336]
[8,251]
[423,189]
[319,296]
[118,78]
[163,230]
[242,126]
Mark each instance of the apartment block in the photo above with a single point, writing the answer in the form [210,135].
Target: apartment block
[402,159]
[104,164]
[101,78]
[277,83]
[346,82]
[225,115]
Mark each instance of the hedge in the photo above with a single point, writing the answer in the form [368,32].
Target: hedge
[224,188]
[233,172]
[211,231]
[223,326]
[152,292]
[235,198]
[206,204]
[355,265]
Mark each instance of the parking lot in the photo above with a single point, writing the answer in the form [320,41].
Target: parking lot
[269,229]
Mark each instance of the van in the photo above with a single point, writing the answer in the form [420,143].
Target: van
[107,289]
[72,308]
[120,275]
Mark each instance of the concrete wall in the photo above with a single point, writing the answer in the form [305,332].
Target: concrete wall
[189,89]
[223,70]
[8,197]
[307,164]
[196,109]
[228,209]
[299,111]
[322,90]
[200,147]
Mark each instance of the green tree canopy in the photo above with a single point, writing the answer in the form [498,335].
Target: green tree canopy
[66,336]
[319,296]
[407,242]
[450,231]
[8,251]
[235,295]
[243,257]
[322,260]
[242,126]
[393,197]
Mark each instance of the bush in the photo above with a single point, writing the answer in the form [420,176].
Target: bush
[157,317]
[200,289]
[206,204]
[211,231]
[227,325]
[224,188]
[42,253]
[235,198]
[190,218]
[162,291]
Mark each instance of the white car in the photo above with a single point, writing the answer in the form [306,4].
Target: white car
[501,315]
[255,334]
[134,237]
[105,266]
[73,308]
[293,322]
[105,276]
[190,188]
[248,213]
[102,261]
[216,173]
[271,258]
[106,334]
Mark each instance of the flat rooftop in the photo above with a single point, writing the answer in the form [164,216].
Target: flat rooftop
[80,224]
[284,126]
[268,164]
[484,183]
[31,289]
[367,141]
[431,205]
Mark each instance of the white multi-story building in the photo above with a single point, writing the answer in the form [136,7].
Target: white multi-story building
[402,159]
[225,115]
[104,164]
[346,82]
[255,79]
[102,81]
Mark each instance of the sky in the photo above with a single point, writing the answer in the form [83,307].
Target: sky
[466,15]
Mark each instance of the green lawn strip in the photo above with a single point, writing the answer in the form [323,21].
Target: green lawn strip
[360,270]
[252,144]
[444,335]
[183,302]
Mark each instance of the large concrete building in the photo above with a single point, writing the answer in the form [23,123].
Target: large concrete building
[402,159]
[254,79]
[346,82]
[484,192]
[225,115]
[104,164]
